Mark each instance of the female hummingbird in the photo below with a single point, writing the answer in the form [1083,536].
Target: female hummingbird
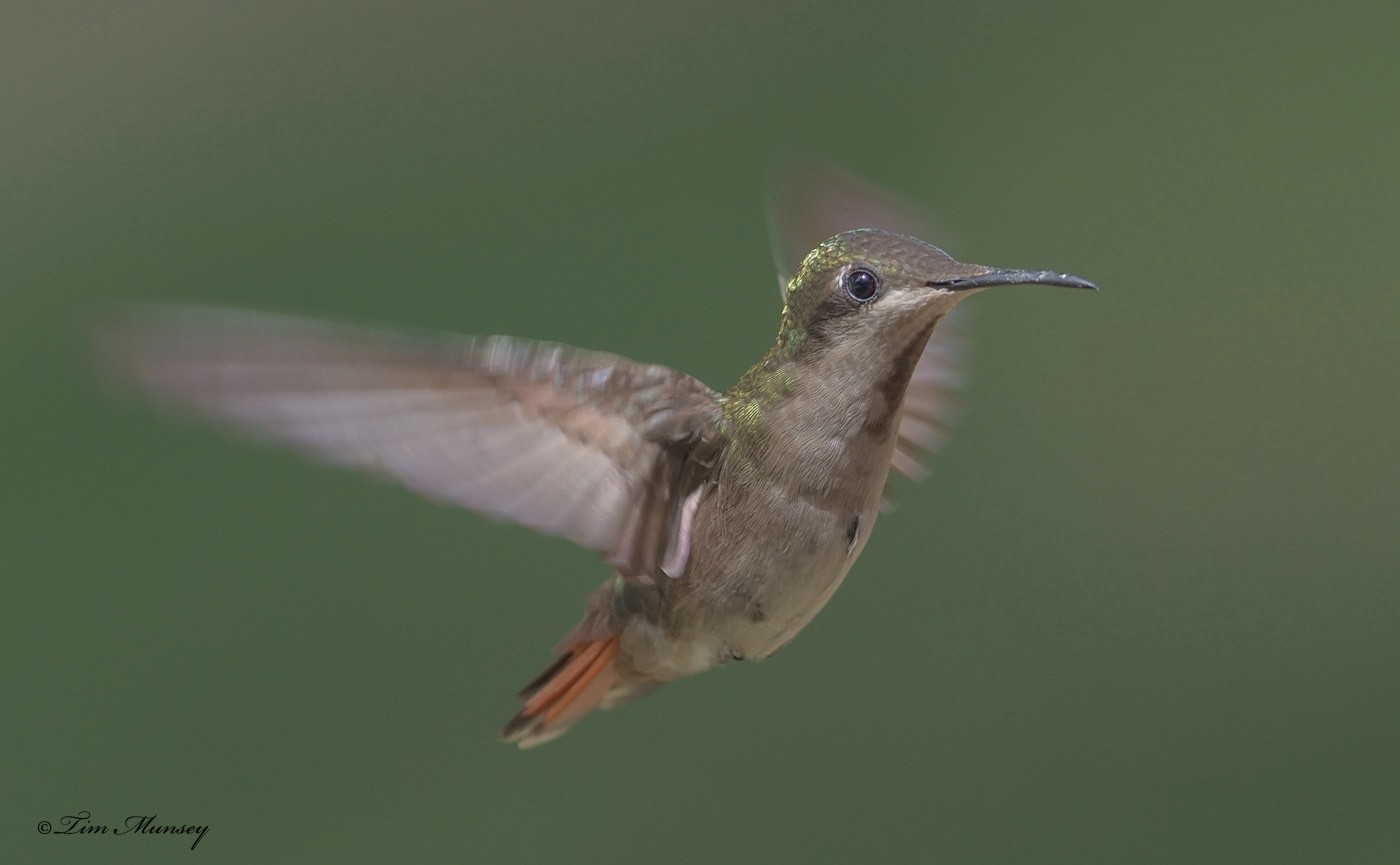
[729,518]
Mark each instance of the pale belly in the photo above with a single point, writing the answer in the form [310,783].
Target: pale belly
[789,609]
[754,597]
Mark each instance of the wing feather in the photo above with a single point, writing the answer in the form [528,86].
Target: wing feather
[931,400]
[574,443]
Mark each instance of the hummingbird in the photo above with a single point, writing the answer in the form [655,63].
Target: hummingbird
[728,519]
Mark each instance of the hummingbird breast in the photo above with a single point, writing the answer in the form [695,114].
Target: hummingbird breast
[774,538]
[795,499]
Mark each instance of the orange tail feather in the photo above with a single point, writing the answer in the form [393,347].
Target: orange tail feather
[570,688]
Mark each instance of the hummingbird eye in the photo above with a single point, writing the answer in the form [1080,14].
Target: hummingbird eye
[862,285]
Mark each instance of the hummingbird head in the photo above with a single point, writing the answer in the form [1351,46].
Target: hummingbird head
[870,285]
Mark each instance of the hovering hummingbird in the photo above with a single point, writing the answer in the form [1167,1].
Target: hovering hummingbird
[729,518]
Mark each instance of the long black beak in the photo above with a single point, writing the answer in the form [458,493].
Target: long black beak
[999,276]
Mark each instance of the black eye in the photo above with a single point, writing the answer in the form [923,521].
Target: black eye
[862,285]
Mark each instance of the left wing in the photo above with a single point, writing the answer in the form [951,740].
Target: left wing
[609,453]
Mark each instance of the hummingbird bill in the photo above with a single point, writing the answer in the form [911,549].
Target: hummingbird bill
[727,518]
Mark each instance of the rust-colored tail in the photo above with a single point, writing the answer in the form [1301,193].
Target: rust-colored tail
[567,690]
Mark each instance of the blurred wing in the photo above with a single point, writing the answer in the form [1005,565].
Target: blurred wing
[930,403]
[811,202]
[606,452]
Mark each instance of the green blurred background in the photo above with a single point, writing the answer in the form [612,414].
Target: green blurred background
[1143,612]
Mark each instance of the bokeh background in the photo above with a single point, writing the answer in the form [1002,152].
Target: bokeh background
[1145,610]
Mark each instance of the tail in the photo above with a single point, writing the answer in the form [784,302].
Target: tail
[568,689]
